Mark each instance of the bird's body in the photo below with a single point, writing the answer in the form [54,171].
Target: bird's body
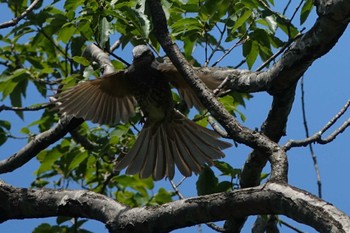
[167,137]
[151,90]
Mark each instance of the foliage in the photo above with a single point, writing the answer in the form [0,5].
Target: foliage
[44,51]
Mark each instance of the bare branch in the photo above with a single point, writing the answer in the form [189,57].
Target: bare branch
[14,21]
[313,156]
[238,43]
[317,137]
[22,109]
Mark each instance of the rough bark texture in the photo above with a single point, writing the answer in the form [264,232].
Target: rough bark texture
[299,205]
[275,197]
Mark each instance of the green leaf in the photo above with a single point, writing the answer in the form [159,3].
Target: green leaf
[224,186]
[227,169]
[78,159]
[25,130]
[66,32]
[71,5]
[186,25]
[3,136]
[47,159]
[81,60]
[163,196]
[253,52]
[207,182]
[16,94]
[306,10]
[247,13]
[104,31]
[5,124]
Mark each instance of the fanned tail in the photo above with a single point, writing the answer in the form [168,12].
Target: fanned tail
[181,142]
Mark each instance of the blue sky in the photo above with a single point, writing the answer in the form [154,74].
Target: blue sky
[326,89]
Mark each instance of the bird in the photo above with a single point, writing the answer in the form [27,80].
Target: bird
[167,139]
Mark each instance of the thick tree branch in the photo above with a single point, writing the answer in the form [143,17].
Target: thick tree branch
[276,198]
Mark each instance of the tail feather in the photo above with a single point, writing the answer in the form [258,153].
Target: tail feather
[149,163]
[192,143]
[185,152]
[179,161]
[181,142]
[136,149]
[165,149]
[209,146]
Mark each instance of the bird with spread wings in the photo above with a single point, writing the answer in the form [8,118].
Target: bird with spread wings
[167,138]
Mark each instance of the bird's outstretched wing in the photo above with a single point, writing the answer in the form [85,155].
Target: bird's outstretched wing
[105,100]
[186,93]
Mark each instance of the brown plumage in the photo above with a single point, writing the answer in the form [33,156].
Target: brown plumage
[167,138]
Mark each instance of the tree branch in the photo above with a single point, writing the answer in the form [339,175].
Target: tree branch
[234,129]
[282,199]
[317,137]
[30,108]
[39,143]
[14,21]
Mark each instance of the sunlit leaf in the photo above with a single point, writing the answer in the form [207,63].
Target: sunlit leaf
[306,10]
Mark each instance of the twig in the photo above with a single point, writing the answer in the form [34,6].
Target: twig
[220,87]
[113,55]
[177,191]
[286,7]
[289,42]
[296,10]
[216,92]
[16,137]
[317,136]
[312,153]
[241,41]
[41,30]
[115,45]
[217,128]
[22,109]
[46,82]
[15,21]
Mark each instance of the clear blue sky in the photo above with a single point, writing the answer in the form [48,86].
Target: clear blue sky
[327,90]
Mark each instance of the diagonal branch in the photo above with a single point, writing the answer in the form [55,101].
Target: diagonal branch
[236,131]
[39,143]
[15,21]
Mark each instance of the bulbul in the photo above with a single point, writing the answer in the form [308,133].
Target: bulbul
[167,138]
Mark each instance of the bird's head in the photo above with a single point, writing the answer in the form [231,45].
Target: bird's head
[142,55]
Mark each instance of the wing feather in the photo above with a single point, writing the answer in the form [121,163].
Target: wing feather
[105,100]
